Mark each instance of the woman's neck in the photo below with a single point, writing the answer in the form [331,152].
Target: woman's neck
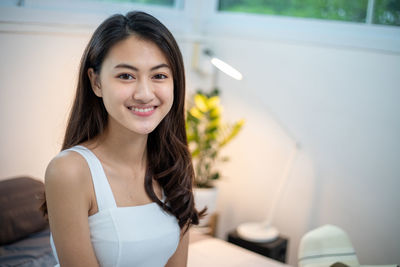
[122,146]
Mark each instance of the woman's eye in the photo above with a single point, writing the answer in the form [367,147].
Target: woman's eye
[160,76]
[126,76]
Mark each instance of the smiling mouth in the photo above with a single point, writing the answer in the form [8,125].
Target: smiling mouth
[142,110]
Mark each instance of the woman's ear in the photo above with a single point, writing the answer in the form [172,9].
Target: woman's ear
[95,82]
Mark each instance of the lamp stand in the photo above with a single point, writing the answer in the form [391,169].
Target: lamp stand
[264,231]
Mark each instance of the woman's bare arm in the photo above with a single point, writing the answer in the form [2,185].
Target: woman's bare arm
[67,183]
[179,258]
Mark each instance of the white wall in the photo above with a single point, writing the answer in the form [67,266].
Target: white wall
[38,74]
[340,103]
[342,106]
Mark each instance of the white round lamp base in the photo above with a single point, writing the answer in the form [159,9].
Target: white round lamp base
[257,232]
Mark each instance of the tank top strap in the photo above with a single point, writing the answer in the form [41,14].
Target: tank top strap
[102,189]
[164,197]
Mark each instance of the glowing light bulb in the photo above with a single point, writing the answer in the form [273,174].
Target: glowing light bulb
[226,68]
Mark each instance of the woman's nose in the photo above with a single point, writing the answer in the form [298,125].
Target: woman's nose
[143,92]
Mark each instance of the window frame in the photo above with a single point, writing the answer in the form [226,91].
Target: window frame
[74,16]
[200,21]
[306,31]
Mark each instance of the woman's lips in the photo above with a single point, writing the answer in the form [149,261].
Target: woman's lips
[142,111]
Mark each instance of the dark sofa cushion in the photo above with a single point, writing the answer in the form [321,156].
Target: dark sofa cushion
[20,199]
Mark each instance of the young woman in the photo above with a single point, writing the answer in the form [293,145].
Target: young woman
[120,191]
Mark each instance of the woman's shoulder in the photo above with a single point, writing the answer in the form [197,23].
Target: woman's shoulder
[68,167]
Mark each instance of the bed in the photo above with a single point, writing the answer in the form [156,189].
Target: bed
[24,233]
[33,251]
[209,251]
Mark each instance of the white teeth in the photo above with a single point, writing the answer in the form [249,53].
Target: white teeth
[141,109]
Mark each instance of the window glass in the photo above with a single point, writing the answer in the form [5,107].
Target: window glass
[387,12]
[155,2]
[344,10]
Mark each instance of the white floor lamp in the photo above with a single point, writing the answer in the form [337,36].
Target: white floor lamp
[264,231]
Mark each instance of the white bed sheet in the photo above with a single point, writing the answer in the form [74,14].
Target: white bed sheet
[212,252]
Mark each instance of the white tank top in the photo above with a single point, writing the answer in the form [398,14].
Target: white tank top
[141,236]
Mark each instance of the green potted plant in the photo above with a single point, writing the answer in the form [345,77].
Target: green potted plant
[207,135]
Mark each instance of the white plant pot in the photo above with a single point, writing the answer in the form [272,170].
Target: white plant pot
[205,197]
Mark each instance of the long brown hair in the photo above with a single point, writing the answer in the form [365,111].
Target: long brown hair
[168,157]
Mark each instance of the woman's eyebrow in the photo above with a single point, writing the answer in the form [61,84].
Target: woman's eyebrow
[127,66]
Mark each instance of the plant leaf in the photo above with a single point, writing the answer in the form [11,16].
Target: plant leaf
[201,102]
[215,112]
[213,102]
[215,176]
[233,132]
[195,112]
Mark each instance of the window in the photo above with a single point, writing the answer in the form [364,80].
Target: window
[364,11]
[169,3]
[82,16]
[335,23]
[51,4]
[387,12]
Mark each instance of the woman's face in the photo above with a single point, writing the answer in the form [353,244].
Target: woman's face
[136,85]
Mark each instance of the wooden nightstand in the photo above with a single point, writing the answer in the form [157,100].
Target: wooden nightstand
[209,229]
[275,249]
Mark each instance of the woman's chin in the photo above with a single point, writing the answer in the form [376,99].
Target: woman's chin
[144,130]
